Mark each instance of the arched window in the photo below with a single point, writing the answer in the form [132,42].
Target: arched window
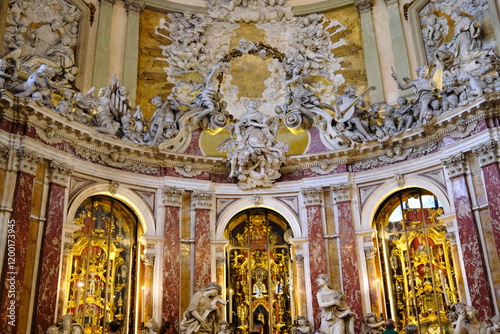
[259,275]
[101,264]
[416,262]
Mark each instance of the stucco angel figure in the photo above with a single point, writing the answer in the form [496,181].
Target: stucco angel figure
[465,39]
[336,316]
[203,314]
[38,82]
[106,113]
[373,324]
[163,119]
[467,322]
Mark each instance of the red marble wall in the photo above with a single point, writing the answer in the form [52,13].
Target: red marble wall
[46,295]
[317,259]
[202,249]
[471,249]
[23,195]
[171,266]
[492,184]
[349,261]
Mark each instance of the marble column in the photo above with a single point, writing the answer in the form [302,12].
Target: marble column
[171,255]
[13,268]
[487,155]
[300,285]
[457,268]
[372,63]
[348,254]
[61,304]
[201,202]
[371,269]
[470,245]
[401,61]
[149,261]
[130,63]
[313,198]
[101,58]
[46,294]
[7,179]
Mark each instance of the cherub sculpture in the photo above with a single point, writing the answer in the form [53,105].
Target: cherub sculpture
[373,324]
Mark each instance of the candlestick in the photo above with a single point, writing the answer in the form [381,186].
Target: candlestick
[444,288]
[143,303]
[379,297]
[230,306]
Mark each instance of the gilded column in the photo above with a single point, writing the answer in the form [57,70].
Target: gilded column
[470,244]
[101,62]
[14,263]
[487,155]
[171,255]
[149,261]
[372,64]
[457,268]
[348,254]
[130,63]
[46,296]
[201,202]
[313,198]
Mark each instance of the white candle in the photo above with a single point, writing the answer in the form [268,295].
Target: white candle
[143,303]
[379,296]
[230,306]
[444,288]
[77,301]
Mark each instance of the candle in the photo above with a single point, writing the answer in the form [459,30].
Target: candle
[77,301]
[230,306]
[143,303]
[444,288]
[379,296]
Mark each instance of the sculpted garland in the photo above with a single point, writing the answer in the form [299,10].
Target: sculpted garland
[301,50]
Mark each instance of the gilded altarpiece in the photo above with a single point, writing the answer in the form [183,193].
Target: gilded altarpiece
[416,259]
[102,265]
[259,275]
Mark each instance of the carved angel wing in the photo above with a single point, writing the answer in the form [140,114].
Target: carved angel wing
[227,145]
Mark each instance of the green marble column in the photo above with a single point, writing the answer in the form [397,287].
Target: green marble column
[101,60]
[130,63]
[370,48]
[401,62]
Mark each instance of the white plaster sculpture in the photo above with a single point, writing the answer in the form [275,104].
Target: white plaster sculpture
[467,322]
[106,113]
[373,324]
[163,123]
[495,328]
[336,316]
[150,327]
[424,87]
[38,82]
[224,328]
[4,75]
[301,325]
[66,326]
[203,314]
[130,132]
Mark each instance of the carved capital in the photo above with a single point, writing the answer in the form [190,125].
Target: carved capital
[60,173]
[370,252]
[68,247]
[220,261]
[299,260]
[4,156]
[341,192]
[27,161]
[202,199]
[312,196]
[135,6]
[113,187]
[173,196]
[148,259]
[451,237]
[455,165]
[363,5]
[486,153]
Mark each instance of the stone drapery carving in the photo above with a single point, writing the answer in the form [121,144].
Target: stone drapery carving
[202,315]
[52,42]
[254,152]
[336,317]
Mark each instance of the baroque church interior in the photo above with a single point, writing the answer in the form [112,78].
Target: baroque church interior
[317,165]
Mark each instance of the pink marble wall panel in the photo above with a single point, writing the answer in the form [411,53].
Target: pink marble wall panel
[315,143]
[202,249]
[222,178]
[492,185]
[46,296]
[292,176]
[471,249]
[317,259]
[171,266]
[194,145]
[349,260]
[23,195]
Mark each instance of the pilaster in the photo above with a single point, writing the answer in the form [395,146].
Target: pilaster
[201,202]
[101,58]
